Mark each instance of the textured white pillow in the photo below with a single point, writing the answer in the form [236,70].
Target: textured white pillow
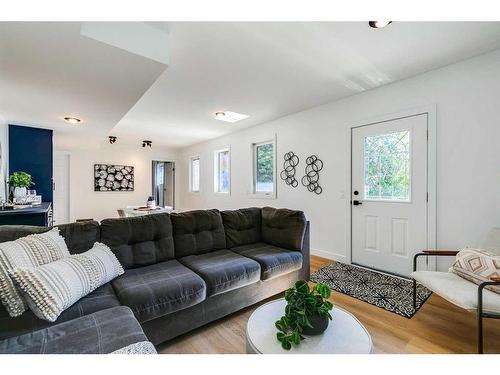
[52,288]
[30,251]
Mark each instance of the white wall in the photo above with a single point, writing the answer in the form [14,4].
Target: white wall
[4,155]
[86,203]
[466,96]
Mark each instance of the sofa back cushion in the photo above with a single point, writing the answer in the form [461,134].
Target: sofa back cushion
[14,232]
[198,232]
[139,241]
[79,237]
[283,227]
[242,226]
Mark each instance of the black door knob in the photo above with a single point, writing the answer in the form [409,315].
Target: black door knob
[356,203]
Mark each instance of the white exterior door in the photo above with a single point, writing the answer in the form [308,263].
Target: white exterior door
[389,193]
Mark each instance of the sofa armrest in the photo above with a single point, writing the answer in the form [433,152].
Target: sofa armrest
[437,253]
[441,252]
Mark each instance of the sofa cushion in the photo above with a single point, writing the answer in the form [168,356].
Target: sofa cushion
[242,226]
[159,289]
[223,270]
[198,232]
[81,236]
[283,227]
[274,261]
[102,298]
[99,333]
[13,232]
[139,241]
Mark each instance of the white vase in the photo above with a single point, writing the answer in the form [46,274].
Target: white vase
[19,193]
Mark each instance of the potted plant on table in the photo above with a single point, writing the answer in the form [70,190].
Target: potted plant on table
[20,181]
[307,313]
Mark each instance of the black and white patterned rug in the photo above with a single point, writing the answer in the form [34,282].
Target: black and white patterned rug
[391,293]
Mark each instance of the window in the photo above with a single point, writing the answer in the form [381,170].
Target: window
[263,168]
[222,180]
[194,184]
[387,166]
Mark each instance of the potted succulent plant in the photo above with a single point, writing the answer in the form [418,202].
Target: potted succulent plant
[20,181]
[307,313]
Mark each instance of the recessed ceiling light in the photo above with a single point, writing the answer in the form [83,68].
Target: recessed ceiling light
[378,24]
[229,116]
[72,120]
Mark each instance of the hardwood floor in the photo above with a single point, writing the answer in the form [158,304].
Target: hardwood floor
[438,327]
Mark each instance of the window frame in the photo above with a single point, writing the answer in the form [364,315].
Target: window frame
[216,171]
[191,159]
[253,184]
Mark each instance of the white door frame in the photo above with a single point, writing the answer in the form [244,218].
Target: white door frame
[430,110]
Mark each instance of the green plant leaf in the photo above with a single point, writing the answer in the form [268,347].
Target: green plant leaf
[285,344]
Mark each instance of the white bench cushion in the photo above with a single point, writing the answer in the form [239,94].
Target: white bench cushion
[458,291]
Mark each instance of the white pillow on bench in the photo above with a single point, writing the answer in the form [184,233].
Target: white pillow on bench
[478,266]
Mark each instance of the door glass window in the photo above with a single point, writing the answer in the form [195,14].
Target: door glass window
[387,166]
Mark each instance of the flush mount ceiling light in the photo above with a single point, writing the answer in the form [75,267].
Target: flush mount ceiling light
[229,116]
[72,120]
[146,143]
[378,24]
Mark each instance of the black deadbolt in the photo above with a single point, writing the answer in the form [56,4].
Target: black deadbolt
[356,192]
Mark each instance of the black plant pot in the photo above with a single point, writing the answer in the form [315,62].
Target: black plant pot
[319,323]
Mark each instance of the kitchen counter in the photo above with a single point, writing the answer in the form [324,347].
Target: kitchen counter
[39,215]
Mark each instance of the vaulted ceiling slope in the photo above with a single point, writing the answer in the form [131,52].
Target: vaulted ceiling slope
[49,70]
[264,70]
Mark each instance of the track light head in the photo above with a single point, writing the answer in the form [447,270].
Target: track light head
[146,143]
[112,139]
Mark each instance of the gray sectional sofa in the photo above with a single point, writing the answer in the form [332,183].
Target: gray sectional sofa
[182,271]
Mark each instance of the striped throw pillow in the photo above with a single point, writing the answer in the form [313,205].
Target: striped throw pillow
[30,251]
[478,266]
[52,288]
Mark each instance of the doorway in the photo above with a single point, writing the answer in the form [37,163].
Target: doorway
[390,193]
[164,183]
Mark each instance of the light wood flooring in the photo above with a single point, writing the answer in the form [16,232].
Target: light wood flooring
[438,327]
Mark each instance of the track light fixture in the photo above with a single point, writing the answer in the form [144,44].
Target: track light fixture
[146,143]
[112,139]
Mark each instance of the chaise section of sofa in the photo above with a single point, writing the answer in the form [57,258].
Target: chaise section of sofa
[102,332]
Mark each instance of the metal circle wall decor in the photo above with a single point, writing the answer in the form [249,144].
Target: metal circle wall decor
[311,177]
[288,172]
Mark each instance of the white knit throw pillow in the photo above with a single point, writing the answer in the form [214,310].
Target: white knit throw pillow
[52,288]
[30,251]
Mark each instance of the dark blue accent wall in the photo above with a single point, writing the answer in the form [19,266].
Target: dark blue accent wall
[30,150]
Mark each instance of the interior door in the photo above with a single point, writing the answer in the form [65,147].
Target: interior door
[389,193]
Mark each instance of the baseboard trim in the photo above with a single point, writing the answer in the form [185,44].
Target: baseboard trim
[329,255]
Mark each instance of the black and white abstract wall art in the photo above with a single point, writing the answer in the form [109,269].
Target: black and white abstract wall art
[289,169]
[311,177]
[111,177]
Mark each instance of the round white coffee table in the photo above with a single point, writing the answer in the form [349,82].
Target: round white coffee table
[344,335]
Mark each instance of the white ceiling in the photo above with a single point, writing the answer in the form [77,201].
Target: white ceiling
[264,70]
[49,71]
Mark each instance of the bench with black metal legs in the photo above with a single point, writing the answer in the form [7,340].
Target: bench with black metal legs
[459,291]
